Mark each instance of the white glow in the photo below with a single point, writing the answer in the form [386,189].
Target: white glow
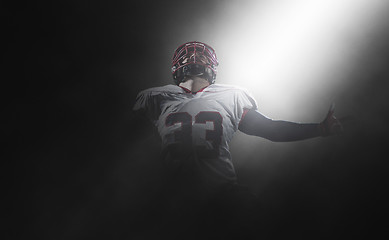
[291,54]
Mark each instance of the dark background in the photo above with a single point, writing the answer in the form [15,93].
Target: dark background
[75,167]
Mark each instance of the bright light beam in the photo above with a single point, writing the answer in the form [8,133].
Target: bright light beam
[292,54]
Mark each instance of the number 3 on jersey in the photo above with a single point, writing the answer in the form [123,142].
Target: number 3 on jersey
[184,134]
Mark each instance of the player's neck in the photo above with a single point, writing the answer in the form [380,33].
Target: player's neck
[194,84]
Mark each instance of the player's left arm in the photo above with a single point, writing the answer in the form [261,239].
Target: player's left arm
[255,123]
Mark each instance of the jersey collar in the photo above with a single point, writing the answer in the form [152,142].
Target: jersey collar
[189,91]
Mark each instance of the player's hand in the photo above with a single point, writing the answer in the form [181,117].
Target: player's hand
[330,125]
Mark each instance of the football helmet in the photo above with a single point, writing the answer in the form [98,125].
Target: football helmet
[194,59]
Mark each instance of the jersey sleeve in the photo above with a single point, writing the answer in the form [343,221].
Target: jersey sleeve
[145,104]
[244,102]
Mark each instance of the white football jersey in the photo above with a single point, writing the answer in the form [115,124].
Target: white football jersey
[203,122]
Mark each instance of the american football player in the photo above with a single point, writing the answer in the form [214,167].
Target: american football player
[197,118]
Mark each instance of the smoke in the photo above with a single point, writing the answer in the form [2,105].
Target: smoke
[83,169]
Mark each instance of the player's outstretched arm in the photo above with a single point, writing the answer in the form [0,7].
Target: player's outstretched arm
[254,123]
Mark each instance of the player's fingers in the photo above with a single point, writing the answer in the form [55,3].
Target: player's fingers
[332,107]
[331,111]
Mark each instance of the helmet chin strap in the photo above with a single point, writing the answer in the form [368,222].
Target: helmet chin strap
[195,75]
[193,70]
[197,70]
